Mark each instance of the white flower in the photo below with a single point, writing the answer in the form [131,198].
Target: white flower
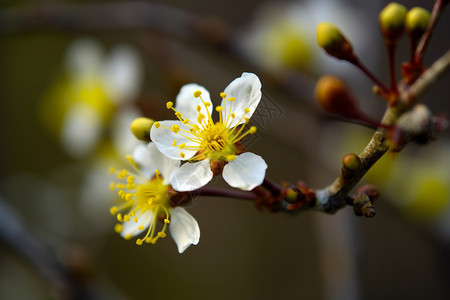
[85,100]
[145,194]
[282,35]
[208,147]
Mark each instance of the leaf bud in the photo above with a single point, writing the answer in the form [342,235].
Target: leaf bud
[417,20]
[392,20]
[140,127]
[333,41]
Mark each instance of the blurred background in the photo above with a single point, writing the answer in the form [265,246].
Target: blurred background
[74,74]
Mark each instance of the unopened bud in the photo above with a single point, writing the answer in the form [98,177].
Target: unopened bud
[140,127]
[333,41]
[351,162]
[333,95]
[292,195]
[392,20]
[417,20]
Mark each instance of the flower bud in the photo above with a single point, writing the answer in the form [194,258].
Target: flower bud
[392,20]
[333,95]
[351,162]
[417,20]
[140,127]
[331,39]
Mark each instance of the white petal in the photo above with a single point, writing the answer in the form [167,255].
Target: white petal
[245,172]
[191,176]
[123,74]
[84,56]
[247,92]
[186,103]
[163,137]
[150,159]
[183,228]
[132,228]
[81,130]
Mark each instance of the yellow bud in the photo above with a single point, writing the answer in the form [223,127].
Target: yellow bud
[392,20]
[351,162]
[140,128]
[417,20]
[333,41]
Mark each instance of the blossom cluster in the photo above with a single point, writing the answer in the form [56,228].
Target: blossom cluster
[183,155]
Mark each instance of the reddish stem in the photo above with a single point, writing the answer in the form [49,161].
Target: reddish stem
[391,53]
[210,191]
[435,13]
[357,63]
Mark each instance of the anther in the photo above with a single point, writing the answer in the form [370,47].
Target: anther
[130,179]
[112,186]
[199,108]
[231,99]
[157,124]
[219,108]
[139,242]
[118,228]
[113,210]
[162,234]
[223,95]
[175,128]
[167,221]
[207,104]
[119,218]
[169,104]
[141,227]
[126,218]
[174,143]
[182,145]
[252,129]
[247,110]
[231,157]
[182,155]
[197,94]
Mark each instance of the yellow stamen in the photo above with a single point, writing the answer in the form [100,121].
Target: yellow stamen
[118,228]
[169,104]
[197,94]
[113,210]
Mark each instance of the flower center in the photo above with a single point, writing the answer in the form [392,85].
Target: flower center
[213,140]
[140,195]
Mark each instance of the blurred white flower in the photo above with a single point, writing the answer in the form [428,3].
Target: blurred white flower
[85,99]
[283,35]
